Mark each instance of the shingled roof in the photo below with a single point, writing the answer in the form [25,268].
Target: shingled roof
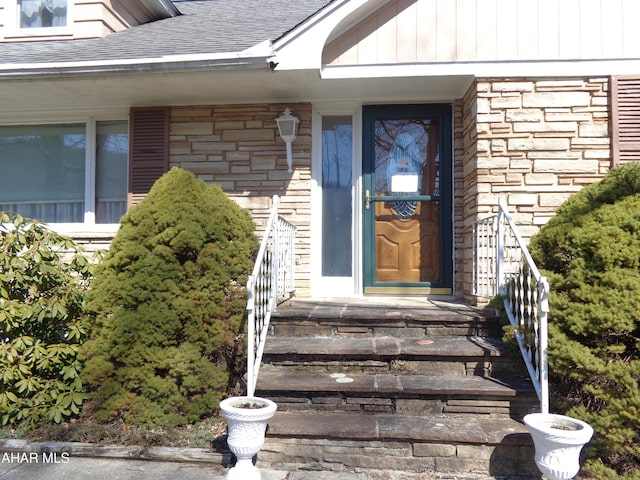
[205,27]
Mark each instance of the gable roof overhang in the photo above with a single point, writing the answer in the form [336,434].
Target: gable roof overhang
[301,47]
[125,70]
[249,75]
[535,43]
[285,70]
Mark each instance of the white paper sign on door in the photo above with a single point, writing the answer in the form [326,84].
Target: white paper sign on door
[404,183]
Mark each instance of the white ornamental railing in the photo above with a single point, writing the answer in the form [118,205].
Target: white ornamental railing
[272,278]
[503,266]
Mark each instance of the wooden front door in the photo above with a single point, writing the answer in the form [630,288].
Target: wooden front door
[407,199]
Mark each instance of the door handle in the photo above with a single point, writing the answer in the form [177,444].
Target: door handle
[367,201]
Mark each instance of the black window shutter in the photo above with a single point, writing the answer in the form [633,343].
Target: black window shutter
[148,149]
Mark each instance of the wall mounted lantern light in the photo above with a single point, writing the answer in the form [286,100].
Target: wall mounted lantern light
[288,128]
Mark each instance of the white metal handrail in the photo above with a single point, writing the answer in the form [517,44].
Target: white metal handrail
[503,265]
[272,278]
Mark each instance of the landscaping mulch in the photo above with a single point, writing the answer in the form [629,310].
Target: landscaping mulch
[201,435]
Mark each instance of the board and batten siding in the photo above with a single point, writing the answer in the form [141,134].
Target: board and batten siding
[406,31]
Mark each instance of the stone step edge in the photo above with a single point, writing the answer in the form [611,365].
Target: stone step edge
[344,311]
[387,347]
[129,452]
[362,329]
[478,430]
[378,319]
[391,385]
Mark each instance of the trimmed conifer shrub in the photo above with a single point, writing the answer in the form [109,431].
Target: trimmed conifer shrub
[590,252]
[168,302]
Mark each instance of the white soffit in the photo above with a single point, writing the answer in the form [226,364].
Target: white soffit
[25,100]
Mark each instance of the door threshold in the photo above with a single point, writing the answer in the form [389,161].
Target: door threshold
[407,291]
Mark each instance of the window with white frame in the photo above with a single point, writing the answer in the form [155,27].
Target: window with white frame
[65,173]
[337,183]
[42,13]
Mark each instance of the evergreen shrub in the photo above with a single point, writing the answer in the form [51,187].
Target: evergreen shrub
[43,280]
[168,302]
[590,252]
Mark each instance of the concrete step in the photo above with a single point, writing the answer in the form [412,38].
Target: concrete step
[433,444]
[405,394]
[424,356]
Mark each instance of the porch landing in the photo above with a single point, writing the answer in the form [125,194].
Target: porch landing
[409,384]
[416,306]
[326,316]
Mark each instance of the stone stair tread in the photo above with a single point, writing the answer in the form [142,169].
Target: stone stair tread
[376,347]
[373,383]
[436,428]
[374,309]
[407,384]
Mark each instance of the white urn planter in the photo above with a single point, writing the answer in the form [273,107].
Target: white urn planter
[558,440]
[247,419]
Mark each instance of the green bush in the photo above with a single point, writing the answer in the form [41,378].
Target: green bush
[168,302]
[590,252]
[43,279]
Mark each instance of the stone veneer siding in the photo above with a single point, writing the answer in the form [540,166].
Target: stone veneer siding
[458,198]
[238,147]
[533,142]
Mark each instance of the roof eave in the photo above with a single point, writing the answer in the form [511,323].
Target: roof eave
[174,63]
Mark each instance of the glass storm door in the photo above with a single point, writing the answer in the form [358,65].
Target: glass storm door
[407,154]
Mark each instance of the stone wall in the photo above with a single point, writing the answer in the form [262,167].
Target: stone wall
[533,143]
[458,198]
[472,457]
[238,148]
